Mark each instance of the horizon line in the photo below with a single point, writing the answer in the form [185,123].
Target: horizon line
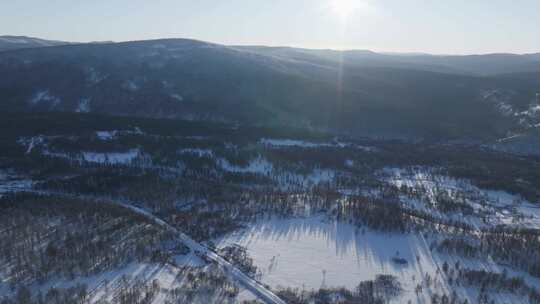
[336,49]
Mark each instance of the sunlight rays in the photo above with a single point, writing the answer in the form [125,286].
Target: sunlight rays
[345,8]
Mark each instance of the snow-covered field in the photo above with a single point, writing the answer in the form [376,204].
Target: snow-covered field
[314,252]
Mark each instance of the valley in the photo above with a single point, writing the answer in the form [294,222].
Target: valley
[269,152]
[169,210]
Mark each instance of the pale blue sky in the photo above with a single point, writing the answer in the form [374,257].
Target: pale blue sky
[432,26]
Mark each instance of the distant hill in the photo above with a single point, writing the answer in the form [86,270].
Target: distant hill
[355,92]
[481,65]
[8,43]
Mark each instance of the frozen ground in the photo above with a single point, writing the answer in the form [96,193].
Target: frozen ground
[309,253]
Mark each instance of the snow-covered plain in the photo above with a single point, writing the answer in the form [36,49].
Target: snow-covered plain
[314,252]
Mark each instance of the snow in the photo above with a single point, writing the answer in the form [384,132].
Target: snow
[106,135]
[134,131]
[9,184]
[101,157]
[532,111]
[292,143]
[83,106]
[112,157]
[505,109]
[104,286]
[131,85]
[501,100]
[490,207]
[45,97]
[306,144]
[177,97]
[166,84]
[31,143]
[314,252]
[258,165]
[285,179]
[311,252]
[319,176]
[197,152]
[137,131]
[94,77]
[249,283]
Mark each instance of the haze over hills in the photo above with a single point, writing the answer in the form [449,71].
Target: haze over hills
[486,64]
[355,92]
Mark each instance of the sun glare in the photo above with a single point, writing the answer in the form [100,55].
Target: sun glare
[344,8]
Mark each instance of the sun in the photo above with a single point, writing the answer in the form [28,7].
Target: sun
[344,8]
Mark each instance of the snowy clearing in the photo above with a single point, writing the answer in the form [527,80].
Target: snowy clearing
[258,165]
[310,253]
[45,96]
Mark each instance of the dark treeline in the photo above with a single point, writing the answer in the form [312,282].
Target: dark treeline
[516,248]
[378,291]
[160,141]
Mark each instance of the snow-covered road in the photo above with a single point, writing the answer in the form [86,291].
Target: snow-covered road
[251,284]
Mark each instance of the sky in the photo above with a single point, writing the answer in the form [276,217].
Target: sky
[427,26]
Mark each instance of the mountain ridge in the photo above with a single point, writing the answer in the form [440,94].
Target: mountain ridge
[360,93]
